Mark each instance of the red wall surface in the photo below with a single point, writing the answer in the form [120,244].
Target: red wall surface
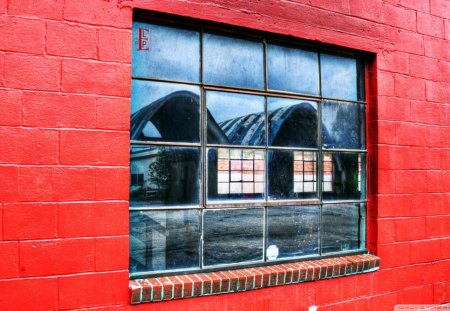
[64,150]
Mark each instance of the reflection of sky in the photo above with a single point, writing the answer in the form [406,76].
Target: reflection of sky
[343,132]
[144,93]
[232,61]
[174,53]
[225,106]
[292,70]
[274,103]
[338,77]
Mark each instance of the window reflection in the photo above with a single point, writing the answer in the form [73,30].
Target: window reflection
[233,236]
[170,176]
[165,52]
[233,61]
[235,119]
[293,70]
[235,174]
[294,230]
[164,240]
[292,122]
[340,227]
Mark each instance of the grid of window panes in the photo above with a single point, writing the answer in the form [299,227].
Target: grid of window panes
[244,150]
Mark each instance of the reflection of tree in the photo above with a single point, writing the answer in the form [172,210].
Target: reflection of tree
[159,170]
[344,129]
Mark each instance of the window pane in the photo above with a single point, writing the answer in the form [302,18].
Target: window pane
[292,122]
[232,236]
[292,70]
[171,176]
[235,119]
[235,174]
[343,125]
[232,61]
[344,176]
[165,112]
[165,52]
[340,228]
[340,77]
[292,174]
[164,240]
[294,231]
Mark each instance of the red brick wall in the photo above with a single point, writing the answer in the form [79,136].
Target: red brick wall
[64,115]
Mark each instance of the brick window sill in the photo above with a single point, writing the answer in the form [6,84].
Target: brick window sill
[222,282]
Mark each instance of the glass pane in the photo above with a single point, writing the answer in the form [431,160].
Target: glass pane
[165,52]
[344,176]
[293,231]
[165,112]
[232,236]
[164,240]
[292,122]
[292,174]
[235,174]
[340,228]
[233,61]
[292,70]
[170,176]
[235,119]
[340,77]
[343,125]
[363,226]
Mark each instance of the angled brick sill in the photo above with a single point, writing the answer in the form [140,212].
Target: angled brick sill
[229,281]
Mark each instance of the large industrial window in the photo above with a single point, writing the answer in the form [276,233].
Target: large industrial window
[244,150]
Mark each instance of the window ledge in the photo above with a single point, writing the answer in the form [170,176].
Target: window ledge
[221,282]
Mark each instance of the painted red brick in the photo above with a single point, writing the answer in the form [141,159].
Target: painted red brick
[10,107]
[42,109]
[437,91]
[78,41]
[111,253]
[56,257]
[425,251]
[439,8]
[386,232]
[409,41]
[437,226]
[394,109]
[363,9]
[437,48]
[400,17]
[383,302]
[24,221]
[84,219]
[93,147]
[395,157]
[9,183]
[430,25]
[423,6]
[389,254]
[114,44]
[112,183]
[394,61]
[113,113]
[9,257]
[441,292]
[49,9]
[43,73]
[22,35]
[418,295]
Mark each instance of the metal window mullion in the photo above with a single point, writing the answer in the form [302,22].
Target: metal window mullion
[204,159]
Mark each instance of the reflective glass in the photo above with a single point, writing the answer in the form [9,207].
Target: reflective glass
[164,240]
[232,236]
[292,70]
[165,112]
[165,52]
[339,76]
[233,61]
[235,119]
[292,174]
[292,122]
[343,125]
[235,174]
[344,176]
[171,176]
[293,231]
[340,227]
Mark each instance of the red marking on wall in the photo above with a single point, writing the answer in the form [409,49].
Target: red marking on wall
[145,39]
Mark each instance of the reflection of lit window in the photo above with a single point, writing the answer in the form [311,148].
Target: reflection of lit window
[327,172]
[240,171]
[305,179]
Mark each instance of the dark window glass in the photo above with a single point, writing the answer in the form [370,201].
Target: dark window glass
[292,174]
[165,112]
[343,125]
[293,231]
[233,61]
[340,227]
[292,122]
[164,240]
[235,174]
[171,176]
[292,70]
[235,119]
[339,76]
[165,52]
[232,236]
[344,176]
